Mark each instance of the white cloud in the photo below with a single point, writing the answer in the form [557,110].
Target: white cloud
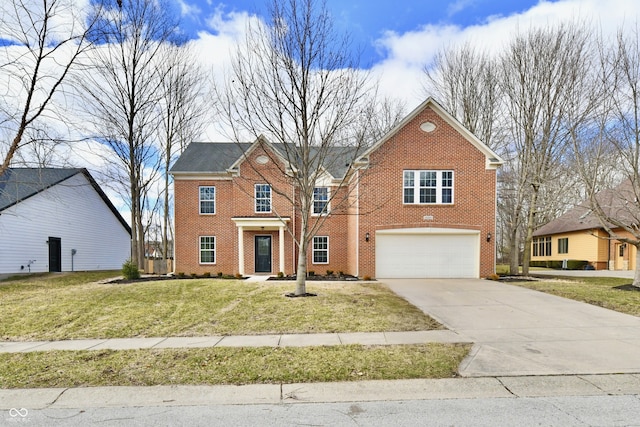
[407,53]
[458,6]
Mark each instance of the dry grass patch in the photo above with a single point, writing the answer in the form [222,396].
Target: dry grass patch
[611,293]
[228,365]
[74,306]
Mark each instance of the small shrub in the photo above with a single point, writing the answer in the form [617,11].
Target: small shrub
[238,276]
[280,274]
[181,275]
[220,274]
[329,272]
[493,277]
[341,274]
[194,275]
[366,278]
[575,264]
[206,274]
[130,270]
[311,273]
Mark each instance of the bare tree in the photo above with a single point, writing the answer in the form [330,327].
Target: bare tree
[542,70]
[466,82]
[615,135]
[296,82]
[43,41]
[182,113]
[123,90]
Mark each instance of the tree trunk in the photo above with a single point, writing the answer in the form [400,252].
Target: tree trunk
[514,253]
[526,256]
[165,224]
[301,271]
[636,277]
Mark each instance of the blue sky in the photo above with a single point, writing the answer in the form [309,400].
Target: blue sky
[369,20]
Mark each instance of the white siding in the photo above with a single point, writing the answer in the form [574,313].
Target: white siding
[72,211]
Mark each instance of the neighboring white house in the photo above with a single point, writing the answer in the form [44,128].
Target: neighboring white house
[58,220]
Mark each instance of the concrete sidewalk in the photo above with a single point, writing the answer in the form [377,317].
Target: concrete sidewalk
[283,340]
[356,391]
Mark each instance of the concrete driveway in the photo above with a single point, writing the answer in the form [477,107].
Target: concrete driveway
[518,331]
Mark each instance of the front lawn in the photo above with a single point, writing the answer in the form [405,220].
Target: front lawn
[229,365]
[612,293]
[50,307]
[73,306]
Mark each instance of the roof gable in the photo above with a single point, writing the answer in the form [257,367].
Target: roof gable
[492,159]
[19,184]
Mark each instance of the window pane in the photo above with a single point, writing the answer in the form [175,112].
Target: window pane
[207,200]
[320,200]
[427,195]
[320,250]
[408,178]
[447,194]
[263,198]
[207,249]
[408,195]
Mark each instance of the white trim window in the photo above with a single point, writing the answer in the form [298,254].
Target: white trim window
[321,250]
[432,187]
[263,198]
[207,198]
[321,200]
[207,249]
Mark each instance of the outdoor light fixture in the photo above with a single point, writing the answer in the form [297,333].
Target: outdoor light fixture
[488,237]
[366,237]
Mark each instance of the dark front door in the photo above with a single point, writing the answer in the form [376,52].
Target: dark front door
[55,254]
[263,254]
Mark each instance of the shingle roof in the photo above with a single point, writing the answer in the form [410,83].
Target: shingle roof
[18,184]
[218,157]
[209,156]
[618,203]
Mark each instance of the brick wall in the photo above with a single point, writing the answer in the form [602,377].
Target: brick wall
[381,188]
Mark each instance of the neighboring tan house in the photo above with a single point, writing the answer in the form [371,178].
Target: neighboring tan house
[423,204]
[579,235]
[58,220]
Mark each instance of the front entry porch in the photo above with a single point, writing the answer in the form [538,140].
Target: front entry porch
[262,243]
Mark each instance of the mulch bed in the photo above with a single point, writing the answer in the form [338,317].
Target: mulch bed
[343,278]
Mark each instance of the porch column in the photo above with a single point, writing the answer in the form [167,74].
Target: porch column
[240,250]
[281,240]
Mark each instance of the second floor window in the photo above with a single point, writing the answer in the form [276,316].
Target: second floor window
[427,187]
[320,200]
[207,200]
[263,198]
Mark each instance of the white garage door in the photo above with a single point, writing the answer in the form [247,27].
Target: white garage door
[427,253]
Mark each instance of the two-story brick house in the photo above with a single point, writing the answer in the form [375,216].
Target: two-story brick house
[421,202]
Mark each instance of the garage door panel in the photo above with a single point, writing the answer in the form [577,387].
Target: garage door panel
[427,255]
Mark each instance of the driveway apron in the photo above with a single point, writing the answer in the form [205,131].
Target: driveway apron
[517,331]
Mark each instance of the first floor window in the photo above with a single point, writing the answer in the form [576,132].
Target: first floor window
[207,249]
[320,200]
[542,246]
[563,245]
[427,187]
[263,198]
[207,200]
[321,250]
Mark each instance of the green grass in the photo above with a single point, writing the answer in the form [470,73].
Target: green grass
[74,306]
[600,291]
[228,365]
